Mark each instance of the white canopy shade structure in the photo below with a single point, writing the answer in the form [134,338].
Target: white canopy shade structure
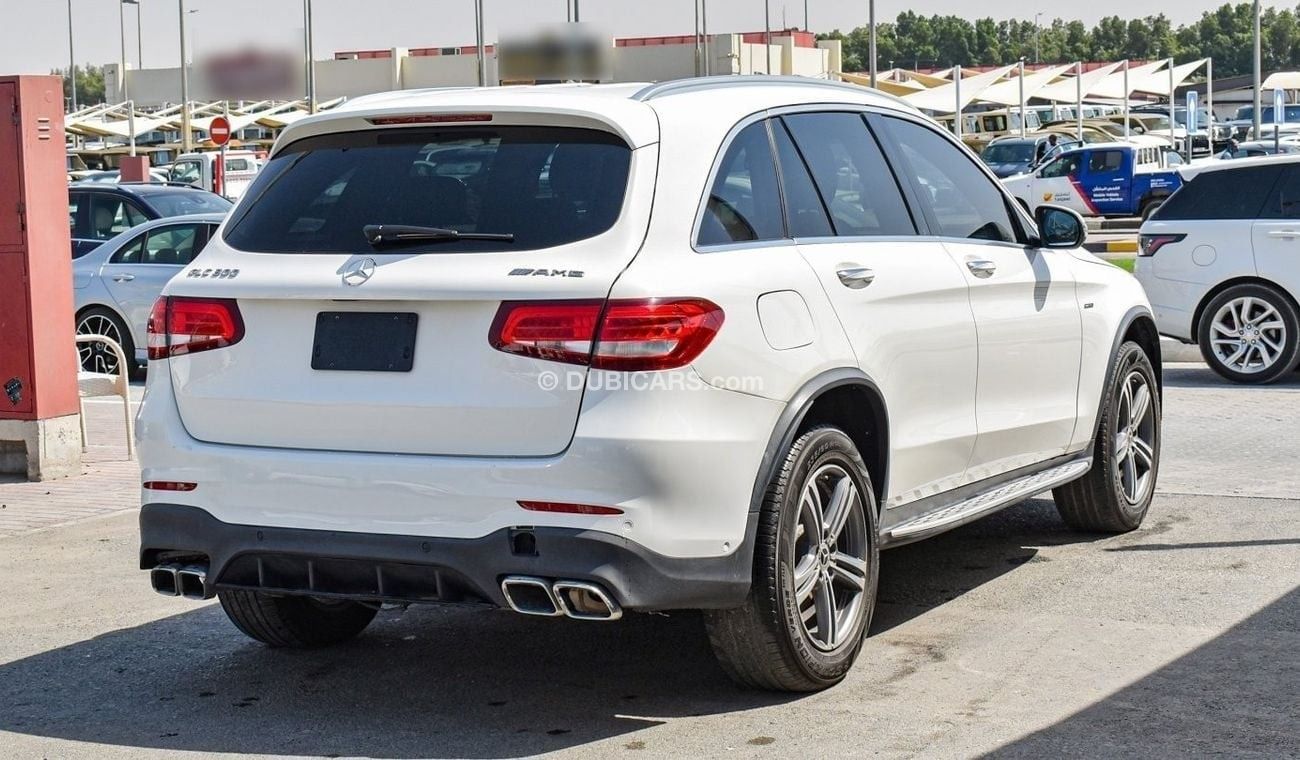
[1159,82]
[884,84]
[1068,90]
[1113,87]
[952,97]
[1007,92]
[1282,80]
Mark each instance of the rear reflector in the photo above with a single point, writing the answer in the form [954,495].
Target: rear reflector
[180,325]
[628,335]
[169,485]
[572,509]
[433,118]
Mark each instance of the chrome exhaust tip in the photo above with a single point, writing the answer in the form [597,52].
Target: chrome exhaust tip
[191,581]
[530,596]
[164,581]
[586,601]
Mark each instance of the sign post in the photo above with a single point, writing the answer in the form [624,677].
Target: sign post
[1279,118]
[219,133]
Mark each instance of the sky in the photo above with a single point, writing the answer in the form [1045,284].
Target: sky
[34,33]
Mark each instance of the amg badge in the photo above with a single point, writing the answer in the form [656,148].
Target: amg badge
[526,272]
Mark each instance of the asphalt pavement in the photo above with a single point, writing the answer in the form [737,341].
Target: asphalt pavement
[1011,637]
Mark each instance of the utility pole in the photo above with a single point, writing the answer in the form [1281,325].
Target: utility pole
[187,139]
[1023,127]
[139,36]
[767,36]
[805,15]
[309,52]
[1037,30]
[478,39]
[871,52]
[699,55]
[121,27]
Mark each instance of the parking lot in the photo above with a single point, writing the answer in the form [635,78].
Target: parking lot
[1011,636]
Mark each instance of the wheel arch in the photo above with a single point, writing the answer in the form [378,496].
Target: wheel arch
[1214,292]
[844,397]
[1138,325]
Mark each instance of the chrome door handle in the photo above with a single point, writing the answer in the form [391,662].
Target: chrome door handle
[981,268]
[123,277]
[856,278]
[1286,234]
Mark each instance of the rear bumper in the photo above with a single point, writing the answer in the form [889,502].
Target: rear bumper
[384,567]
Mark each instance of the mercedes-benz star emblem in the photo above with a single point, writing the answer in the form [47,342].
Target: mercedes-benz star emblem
[359,272]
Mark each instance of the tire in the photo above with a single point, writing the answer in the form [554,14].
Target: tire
[95,357]
[766,644]
[1149,207]
[1271,339]
[1116,493]
[295,621]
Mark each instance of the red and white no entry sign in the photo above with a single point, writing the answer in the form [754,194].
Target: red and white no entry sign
[219,132]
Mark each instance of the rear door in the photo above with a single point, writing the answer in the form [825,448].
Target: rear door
[136,273]
[1023,299]
[322,307]
[900,297]
[1276,235]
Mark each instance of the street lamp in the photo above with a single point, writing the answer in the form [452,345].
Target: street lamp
[310,54]
[871,45]
[478,39]
[187,142]
[121,23]
[72,59]
[1037,30]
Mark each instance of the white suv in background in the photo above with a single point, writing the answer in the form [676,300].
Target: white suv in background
[580,350]
[1220,261]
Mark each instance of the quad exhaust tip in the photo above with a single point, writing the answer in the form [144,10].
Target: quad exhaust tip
[578,600]
[188,581]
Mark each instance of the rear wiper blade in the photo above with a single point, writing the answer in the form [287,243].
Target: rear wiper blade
[396,234]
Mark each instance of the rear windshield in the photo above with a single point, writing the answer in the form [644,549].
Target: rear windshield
[546,186]
[187,202]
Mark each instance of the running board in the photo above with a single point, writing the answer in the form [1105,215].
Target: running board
[988,502]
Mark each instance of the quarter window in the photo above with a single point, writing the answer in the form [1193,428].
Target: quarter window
[1229,194]
[804,212]
[111,215]
[744,203]
[963,200]
[851,175]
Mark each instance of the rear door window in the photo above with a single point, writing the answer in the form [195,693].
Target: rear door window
[111,215]
[854,181]
[546,186]
[1226,194]
[1284,201]
[1105,161]
[744,202]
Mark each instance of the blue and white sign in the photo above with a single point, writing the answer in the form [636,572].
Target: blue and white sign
[1193,101]
[1279,107]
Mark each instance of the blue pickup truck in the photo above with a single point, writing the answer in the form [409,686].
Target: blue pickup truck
[1101,179]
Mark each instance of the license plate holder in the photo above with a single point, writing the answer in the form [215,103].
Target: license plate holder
[364,341]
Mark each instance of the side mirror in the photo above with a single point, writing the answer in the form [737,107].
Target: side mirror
[1060,227]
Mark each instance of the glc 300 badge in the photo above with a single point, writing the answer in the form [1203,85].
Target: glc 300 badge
[216,274]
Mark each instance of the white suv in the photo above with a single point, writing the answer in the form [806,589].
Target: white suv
[1220,261]
[580,350]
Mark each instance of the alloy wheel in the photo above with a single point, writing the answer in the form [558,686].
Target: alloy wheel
[1135,435]
[1247,335]
[97,356]
[830,557]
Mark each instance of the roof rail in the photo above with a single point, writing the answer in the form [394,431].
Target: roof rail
[691,84]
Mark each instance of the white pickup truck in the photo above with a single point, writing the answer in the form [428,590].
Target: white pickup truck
[200,170]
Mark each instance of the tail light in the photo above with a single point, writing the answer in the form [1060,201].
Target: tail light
[1149,244]
[626,335]
[180,325]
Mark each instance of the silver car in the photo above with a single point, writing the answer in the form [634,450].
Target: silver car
[116,284]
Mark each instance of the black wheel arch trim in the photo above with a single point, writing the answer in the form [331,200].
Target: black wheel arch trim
[1131,317]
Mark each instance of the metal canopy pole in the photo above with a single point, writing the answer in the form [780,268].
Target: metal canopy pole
[1173,123]
[956,80]
[1023,127]
[1078,98]
[1127,92]
[1259,75]
[1209,99]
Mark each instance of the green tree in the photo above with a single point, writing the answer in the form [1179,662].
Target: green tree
[90,85]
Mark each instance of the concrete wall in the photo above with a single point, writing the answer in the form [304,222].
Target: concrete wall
[444,71]
[337,79]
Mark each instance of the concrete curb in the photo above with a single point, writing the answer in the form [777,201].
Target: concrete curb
[1112,246]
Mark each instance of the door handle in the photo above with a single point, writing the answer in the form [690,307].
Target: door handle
[1285,234]
[856,278]
[981,268]
[123,277]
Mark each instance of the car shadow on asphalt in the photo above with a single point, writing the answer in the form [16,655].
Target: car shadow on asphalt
[1235,696]
[447,681]
[917,578]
